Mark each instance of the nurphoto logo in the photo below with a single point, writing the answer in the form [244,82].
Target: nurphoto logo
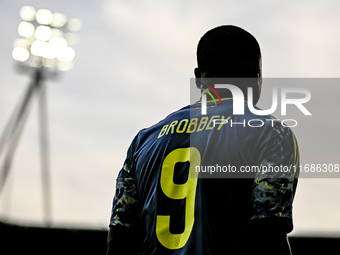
[238,101]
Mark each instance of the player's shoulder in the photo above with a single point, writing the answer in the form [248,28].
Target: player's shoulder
[148,132]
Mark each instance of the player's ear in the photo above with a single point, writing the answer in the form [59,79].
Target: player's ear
[197,72]
[198,77]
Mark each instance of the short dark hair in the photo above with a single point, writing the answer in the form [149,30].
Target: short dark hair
[229,51]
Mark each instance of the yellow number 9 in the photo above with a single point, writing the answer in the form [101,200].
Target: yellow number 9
[172,190]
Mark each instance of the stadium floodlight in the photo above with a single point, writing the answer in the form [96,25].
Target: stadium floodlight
[45,48]
[46,39]
[27,13]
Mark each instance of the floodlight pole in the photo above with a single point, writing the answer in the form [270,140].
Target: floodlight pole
[45,155]
[11,135]
[13,130]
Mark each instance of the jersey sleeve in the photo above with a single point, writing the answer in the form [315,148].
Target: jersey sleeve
[274,187]
[125,207]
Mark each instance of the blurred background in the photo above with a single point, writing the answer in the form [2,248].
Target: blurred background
[132,66]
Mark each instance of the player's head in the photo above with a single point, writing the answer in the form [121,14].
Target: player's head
[230,52]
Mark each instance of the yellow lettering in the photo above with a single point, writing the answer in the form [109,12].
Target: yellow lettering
[164,128]
[172,125]
[185,121]
[202,124]
[209,126]
[193,122]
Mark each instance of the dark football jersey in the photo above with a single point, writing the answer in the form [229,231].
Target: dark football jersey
[192,182]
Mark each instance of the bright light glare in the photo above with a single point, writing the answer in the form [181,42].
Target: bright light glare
[50,51]
[26,29]
[49,62]
[38,48]
[21,43]
[20,54]
[66,54]
[44,16]
[65,66]
[30,40]
[73,24]
[43,33]
[59,19]
[46,44]
[57,32]
[58,42]
[27,13]
[54,47]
